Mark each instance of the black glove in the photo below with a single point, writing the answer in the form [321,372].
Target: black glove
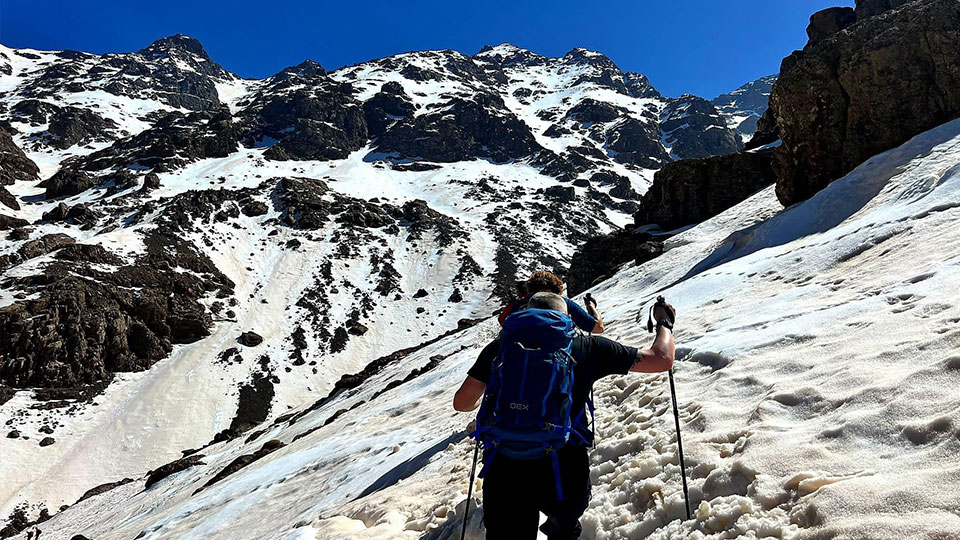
[666,321]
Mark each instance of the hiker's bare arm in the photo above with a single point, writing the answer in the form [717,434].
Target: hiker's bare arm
[659,357]
[469,395]
[592,310]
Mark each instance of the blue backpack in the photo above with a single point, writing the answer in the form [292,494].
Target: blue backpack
[525,413]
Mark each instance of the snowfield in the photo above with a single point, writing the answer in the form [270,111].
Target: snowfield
[817,378]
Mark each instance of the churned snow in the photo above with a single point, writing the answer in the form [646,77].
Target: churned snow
[816,378]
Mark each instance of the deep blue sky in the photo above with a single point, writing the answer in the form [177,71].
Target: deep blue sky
[704,47]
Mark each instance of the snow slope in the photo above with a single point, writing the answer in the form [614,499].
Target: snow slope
[817,381]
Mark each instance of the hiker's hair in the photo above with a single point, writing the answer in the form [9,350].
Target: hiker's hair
[543,281]
[548,300]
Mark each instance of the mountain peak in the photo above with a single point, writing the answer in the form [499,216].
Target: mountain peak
[306,69]
[176,42]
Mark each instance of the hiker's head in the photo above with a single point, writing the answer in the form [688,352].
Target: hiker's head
[543,281]
[548,300]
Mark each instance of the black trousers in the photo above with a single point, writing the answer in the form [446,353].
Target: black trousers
[516,491]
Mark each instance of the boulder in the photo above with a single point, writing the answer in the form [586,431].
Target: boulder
[856,93]
[10,222]
[250,339]
[172,468]
[254,209]
[692,190]
[151,181]
[69,181]
[47,441]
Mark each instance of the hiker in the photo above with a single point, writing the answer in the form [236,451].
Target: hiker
[29,535]
[588,320]
[555,482]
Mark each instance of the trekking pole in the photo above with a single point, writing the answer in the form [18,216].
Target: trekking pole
[683,467]
[661,301]
[473,469]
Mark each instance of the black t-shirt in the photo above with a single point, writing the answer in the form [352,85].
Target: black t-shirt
[596,357]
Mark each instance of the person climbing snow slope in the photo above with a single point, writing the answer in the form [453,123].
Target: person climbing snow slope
[588,320]
[535,445]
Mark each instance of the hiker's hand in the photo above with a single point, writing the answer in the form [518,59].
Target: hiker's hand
[664,312]
[590,300]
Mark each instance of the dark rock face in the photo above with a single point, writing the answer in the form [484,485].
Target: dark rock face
[309,115]
[254,209]
[8,222]
[693,128]
[174,140]
[250,339]
[692,190]
[829,21]
[462,130]
[67,182]
[386,107]
[591,110]
[869,8]
[84,323]
[172,468]
[73,125]
[80,214]
[832,109]
[15,166]
[639,85]
[600,257]
[35,248]
[637,143]
[7,199]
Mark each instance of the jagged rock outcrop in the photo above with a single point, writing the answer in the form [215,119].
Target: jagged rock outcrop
[308,115]
[15,166]
[7,199]
[35,248]
[637,142]
[174,140]
[83,323]
[827,22]
[80,214]
[601,256]
[387,106]
[692,190]
[72,125]
[864,89]
[461,129]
